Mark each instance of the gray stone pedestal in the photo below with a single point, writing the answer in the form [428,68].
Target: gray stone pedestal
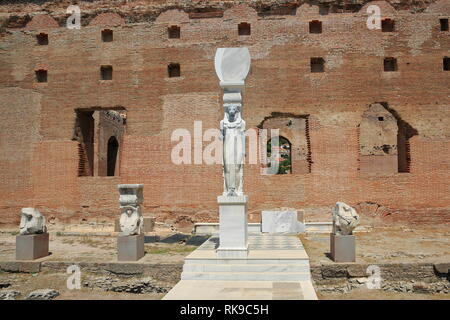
[342,248]
[233,241]
[31,246]
[130,248]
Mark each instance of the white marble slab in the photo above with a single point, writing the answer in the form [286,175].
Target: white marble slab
[284,222]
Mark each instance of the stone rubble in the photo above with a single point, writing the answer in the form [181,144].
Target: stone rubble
[392,286]
[9,294]
[43,294]
[138,286]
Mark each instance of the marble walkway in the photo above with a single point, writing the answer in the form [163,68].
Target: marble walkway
[277,268]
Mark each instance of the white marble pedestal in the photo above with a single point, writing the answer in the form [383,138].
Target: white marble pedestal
[233,241]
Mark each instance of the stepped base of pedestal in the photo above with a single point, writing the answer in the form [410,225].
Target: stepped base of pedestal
[231,253]
[277,267]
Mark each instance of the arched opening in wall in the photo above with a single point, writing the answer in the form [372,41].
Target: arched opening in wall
[113,149]
[279,155]
[384,141]
[99,133]
[84,134]
[294,129]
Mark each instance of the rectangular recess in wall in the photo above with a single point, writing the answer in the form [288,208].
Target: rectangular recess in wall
[42,39]
[106,72]
[315,26]
[41,75]
[387,25]
[174,32]
[107,35]
[444,24]
[390,64]
[446,64]
[174,70]
[244,29]
[317,65]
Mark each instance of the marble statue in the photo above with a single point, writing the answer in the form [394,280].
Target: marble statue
[345,219]
[131,220]
[232,66]
[232,129]
[32,222]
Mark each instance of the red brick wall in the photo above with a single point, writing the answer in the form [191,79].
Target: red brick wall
[39,161]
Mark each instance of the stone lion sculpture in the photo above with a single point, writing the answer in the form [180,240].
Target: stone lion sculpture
[131,221]
[32,222]
[345,219]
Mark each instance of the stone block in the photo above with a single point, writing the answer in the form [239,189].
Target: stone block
[442,268]
[125,268]
[233,241]
[130,248]
[281,222]
[32,246]
[342,248]
[357,270]
[20,266]
[334,271]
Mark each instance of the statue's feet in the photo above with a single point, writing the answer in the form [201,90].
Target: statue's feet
[232,193]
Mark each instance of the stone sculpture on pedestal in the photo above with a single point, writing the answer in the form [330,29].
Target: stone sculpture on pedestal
[33,240]
[345,219]
[131,221]
[232,66]
[342,240]
[32,222]
[130,242]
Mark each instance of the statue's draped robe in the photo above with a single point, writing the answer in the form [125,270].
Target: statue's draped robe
[233,154]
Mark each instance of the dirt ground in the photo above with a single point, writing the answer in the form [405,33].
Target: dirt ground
[78,243]
[378,244]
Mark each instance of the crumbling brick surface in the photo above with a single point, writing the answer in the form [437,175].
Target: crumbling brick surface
[39,161]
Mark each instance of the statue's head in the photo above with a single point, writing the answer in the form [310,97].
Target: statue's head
[232,111]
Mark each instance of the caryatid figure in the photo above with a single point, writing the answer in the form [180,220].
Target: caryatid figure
[232,129]
[232,66]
